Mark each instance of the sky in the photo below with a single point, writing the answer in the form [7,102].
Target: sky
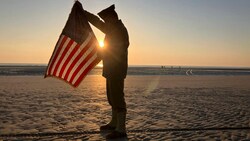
[162,32]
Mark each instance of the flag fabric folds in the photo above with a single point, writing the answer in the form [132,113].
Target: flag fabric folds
[75,53]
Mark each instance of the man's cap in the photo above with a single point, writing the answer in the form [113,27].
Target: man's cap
[107,12]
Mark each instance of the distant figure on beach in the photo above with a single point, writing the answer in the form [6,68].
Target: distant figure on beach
[115,64]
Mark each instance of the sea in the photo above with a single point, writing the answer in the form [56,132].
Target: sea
[38,69]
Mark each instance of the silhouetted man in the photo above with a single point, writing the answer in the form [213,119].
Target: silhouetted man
[114,56]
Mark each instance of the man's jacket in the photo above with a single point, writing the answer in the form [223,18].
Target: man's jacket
[115,52]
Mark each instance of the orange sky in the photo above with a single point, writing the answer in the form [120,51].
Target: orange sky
[162,32]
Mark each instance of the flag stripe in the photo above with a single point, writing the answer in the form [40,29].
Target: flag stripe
[68,59]
[81,65]
[72,56]
[60,54]
[86,71]
[63,55]
[55,54]
[84,66]
[77,58]
[76,53]
[79,62]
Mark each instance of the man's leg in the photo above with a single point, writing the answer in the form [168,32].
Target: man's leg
[119,105]
[112,124]
[117,101]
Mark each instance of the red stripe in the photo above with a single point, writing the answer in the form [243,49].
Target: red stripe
[82,64]
[63,55]
[86,71]
[78,57]
[68,59]
[57,52]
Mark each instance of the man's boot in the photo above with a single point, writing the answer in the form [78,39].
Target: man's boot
[112,124]
[120,130]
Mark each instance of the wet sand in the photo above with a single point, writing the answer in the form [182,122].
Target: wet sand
[31,104]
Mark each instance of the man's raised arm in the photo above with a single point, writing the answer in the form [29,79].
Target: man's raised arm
[95,20]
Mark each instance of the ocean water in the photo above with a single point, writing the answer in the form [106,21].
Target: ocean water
[14,70]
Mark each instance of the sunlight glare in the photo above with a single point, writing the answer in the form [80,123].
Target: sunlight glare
[101,43]
[100,65]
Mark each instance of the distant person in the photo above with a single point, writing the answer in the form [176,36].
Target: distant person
[115,64]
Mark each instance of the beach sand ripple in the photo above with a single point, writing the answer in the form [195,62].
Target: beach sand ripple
[31,104]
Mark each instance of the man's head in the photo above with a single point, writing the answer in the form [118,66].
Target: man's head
[109,15]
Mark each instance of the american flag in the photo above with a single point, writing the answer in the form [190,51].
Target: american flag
[75,53]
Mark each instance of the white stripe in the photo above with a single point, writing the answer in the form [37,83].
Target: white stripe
[76,54]
[84,67]
[53,55]
[60,54]
[80,61]
[65,57]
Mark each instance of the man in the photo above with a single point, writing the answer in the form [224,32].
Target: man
[114,56]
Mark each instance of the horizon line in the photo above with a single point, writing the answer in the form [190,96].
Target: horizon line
[132,65]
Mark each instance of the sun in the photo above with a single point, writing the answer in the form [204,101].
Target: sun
[101,43]
[100,65]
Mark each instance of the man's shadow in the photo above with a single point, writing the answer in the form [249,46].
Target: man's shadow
[104,134]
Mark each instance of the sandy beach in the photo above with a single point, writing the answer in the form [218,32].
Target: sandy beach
[31,104]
